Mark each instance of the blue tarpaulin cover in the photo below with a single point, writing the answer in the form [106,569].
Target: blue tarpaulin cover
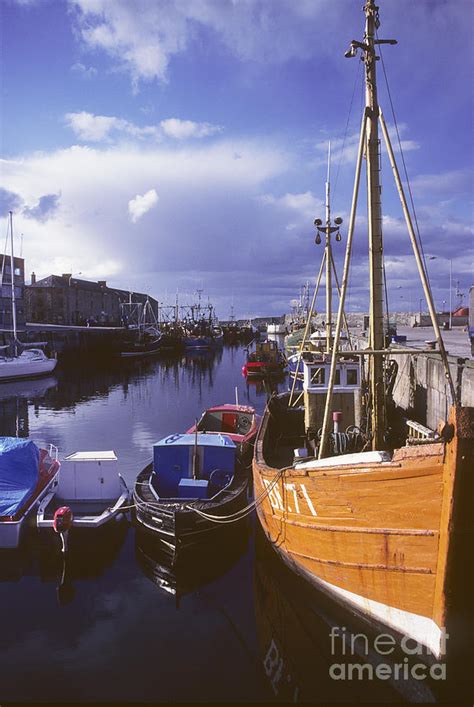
[19,464]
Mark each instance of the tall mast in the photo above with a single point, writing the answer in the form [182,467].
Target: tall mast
[328,229]
[12,266]
[376,370]
[328,258]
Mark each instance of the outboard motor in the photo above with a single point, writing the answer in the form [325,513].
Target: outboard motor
[62,522]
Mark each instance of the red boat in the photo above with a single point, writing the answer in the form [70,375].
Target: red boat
[266,360]
[239,422]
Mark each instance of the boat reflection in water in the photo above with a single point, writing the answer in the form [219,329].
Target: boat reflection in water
[312,650]
[206,563]
[88,557]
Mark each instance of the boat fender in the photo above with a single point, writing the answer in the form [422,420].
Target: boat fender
[63,519]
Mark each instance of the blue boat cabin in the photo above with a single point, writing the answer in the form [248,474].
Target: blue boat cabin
[190,466]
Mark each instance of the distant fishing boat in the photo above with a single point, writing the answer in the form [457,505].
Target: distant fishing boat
[266,360]
[143,337]
[202,335]
[201,329]
[368,511]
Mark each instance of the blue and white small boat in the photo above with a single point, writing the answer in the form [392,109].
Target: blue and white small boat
[195,487]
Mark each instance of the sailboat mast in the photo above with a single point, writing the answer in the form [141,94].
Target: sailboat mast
[328,258]
[12,266]
[377,387]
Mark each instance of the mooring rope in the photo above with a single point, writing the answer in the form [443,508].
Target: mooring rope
[231,518]
[243,512]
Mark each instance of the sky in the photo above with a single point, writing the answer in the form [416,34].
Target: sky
[171,146]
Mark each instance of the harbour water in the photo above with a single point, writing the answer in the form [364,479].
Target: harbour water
[111,622]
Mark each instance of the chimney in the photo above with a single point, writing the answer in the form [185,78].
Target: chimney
[102,283]
[66,275]
[33,278]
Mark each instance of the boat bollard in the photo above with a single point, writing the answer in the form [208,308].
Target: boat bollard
[336,418]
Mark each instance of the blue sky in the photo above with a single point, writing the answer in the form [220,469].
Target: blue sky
[176,145]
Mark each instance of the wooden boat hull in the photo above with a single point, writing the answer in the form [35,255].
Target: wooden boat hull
[374,536]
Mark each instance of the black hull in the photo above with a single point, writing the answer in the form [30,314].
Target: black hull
[176,525]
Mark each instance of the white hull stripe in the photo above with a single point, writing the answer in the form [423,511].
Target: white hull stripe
[419,628]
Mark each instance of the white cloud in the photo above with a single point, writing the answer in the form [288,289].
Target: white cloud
[454,182]
[142,37]
[98,128]
[93,128]
[87,72]
[184,129]
[304,206]
[139,206]
[207,211]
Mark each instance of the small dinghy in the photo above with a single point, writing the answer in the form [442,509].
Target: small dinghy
[195,487]
[90,492]
[26,475]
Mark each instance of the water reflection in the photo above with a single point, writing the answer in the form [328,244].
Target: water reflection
[89,555]
[14,398]
[207,562]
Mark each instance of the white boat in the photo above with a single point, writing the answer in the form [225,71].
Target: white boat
[26,475]
[91,486]
[32,361]
[28,364]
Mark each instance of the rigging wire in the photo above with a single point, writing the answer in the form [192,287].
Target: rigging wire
[404,165]
[341,154]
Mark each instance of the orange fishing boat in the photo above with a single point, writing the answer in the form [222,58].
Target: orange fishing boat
[371,514]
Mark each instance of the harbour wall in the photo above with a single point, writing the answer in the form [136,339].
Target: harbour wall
[422,390]
[73,341]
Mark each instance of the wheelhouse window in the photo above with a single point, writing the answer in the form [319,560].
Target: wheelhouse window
[352,376]
[318,376]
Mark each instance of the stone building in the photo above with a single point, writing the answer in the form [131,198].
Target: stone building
[64,299]
[6,313]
